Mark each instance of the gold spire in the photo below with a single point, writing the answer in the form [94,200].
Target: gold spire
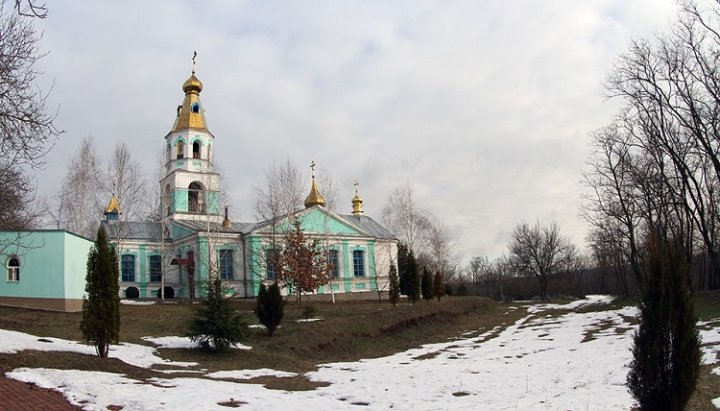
[314,198]
[113,206]
[191,113]
[357,202]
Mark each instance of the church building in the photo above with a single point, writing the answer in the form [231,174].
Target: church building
[195,240]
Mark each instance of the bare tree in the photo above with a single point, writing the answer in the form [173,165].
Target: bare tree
[32,9]
[540,251]
[281,193]
[126,180]
[27,131]
[80,203]
[478,269]
[440,243]
[670,90]
[404,218]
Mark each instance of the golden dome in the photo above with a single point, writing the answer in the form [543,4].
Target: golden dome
[357,202]
[190,113]
[314,198]
[113,206]
[193,84]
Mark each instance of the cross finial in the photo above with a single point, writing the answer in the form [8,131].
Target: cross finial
[356,186]
[193,61]
[312,167]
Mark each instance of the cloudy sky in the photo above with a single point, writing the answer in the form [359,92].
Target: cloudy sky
[484,106]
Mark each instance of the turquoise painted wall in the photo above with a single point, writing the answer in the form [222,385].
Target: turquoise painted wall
[76,251]
[180,201]
[52,264]
[213,202]
[317,221]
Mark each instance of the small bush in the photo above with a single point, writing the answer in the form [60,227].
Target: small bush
[270,307]
[215,324]
[308,311]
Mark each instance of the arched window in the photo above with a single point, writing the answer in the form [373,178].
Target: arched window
[180,149]
[209,155]
[195,108]
[13,269]
[196,198]
[196,149]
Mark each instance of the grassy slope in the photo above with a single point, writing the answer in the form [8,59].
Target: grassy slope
[349,331]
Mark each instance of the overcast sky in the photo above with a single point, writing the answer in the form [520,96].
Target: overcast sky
[484,106]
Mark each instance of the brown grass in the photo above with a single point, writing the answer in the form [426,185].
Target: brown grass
[349,331]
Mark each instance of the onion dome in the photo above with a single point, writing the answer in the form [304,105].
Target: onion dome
[192,85]
[357,202]
[314,198]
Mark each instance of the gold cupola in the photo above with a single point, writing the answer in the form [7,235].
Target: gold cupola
[314,198]
[357,202]
[112,211]
[191,114]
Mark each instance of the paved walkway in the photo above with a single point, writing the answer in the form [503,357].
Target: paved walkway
[20,396]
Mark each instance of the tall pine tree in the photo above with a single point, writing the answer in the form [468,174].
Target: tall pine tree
[394,291]
[403,269]
[666,352]
[270,307]
[427,285]
[413,278]
[101,304]
[438,286]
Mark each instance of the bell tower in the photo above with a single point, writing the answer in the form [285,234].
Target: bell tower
[190,188]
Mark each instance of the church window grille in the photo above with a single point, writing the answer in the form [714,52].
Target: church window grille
[359,263]
[13,269]
[128,267]
[196,198]
[180,150]
[226,264]
[333,263]
[272,263]
[196,149]
[155,268]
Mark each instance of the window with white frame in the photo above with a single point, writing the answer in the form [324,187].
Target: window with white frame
[359,263]
[272,262]
[13,269]
[128,267]
[225,265]
[155,268]
[332,259]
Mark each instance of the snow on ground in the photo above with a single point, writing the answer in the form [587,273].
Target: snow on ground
[248,374]
[310,320]
[136,302]
[133,354]
[182,342]
[588,300]
[571,361]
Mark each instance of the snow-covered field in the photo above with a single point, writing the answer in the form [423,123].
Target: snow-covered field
[572,361]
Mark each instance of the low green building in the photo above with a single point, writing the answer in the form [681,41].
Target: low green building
[44,269]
